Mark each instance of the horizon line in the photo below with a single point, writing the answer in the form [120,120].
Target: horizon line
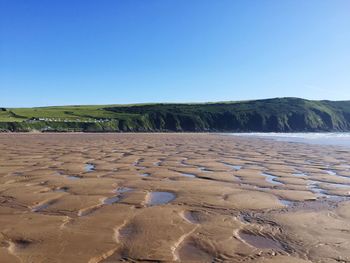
[157,103]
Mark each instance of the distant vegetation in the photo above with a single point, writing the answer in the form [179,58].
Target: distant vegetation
[277,115]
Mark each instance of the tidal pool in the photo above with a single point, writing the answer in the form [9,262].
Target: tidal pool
[89,167]
[74,177]
[233,167]
[261,241]
[189,175]
[271,178]
[159,198]
[111,200]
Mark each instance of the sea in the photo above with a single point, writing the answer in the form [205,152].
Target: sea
[321,138]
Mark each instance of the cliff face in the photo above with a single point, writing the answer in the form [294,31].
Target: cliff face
[279,115]
[271,115]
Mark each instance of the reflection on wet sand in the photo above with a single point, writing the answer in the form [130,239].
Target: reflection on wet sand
[159,198]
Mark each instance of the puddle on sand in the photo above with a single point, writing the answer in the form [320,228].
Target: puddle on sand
[158,163]
[286,202]
[261,241]
[111,200]
[61,189]
[74,177]
[189,175]
[183,163]
[299,173]
[236,167]
[330,172]
[203,169]
[122,190]
[145,174]
[254,186]
[313,187]
[43,206]
[271,178]
[333,173]
[89,167]
[233,167]
[159,198]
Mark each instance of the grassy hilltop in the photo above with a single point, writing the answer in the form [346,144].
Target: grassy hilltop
[278,115]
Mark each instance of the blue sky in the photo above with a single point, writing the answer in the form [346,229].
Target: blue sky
[124,51]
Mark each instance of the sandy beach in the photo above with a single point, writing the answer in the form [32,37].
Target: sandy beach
[172,197]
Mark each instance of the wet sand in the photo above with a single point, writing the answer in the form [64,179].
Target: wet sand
[171,197]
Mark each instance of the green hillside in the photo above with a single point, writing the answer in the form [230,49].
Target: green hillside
[278,115]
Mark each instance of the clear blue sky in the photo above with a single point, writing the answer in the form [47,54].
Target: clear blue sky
[59,52]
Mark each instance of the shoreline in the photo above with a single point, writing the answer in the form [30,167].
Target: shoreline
[341,139]
[270,136]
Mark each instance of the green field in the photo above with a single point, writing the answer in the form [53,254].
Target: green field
[279,114]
